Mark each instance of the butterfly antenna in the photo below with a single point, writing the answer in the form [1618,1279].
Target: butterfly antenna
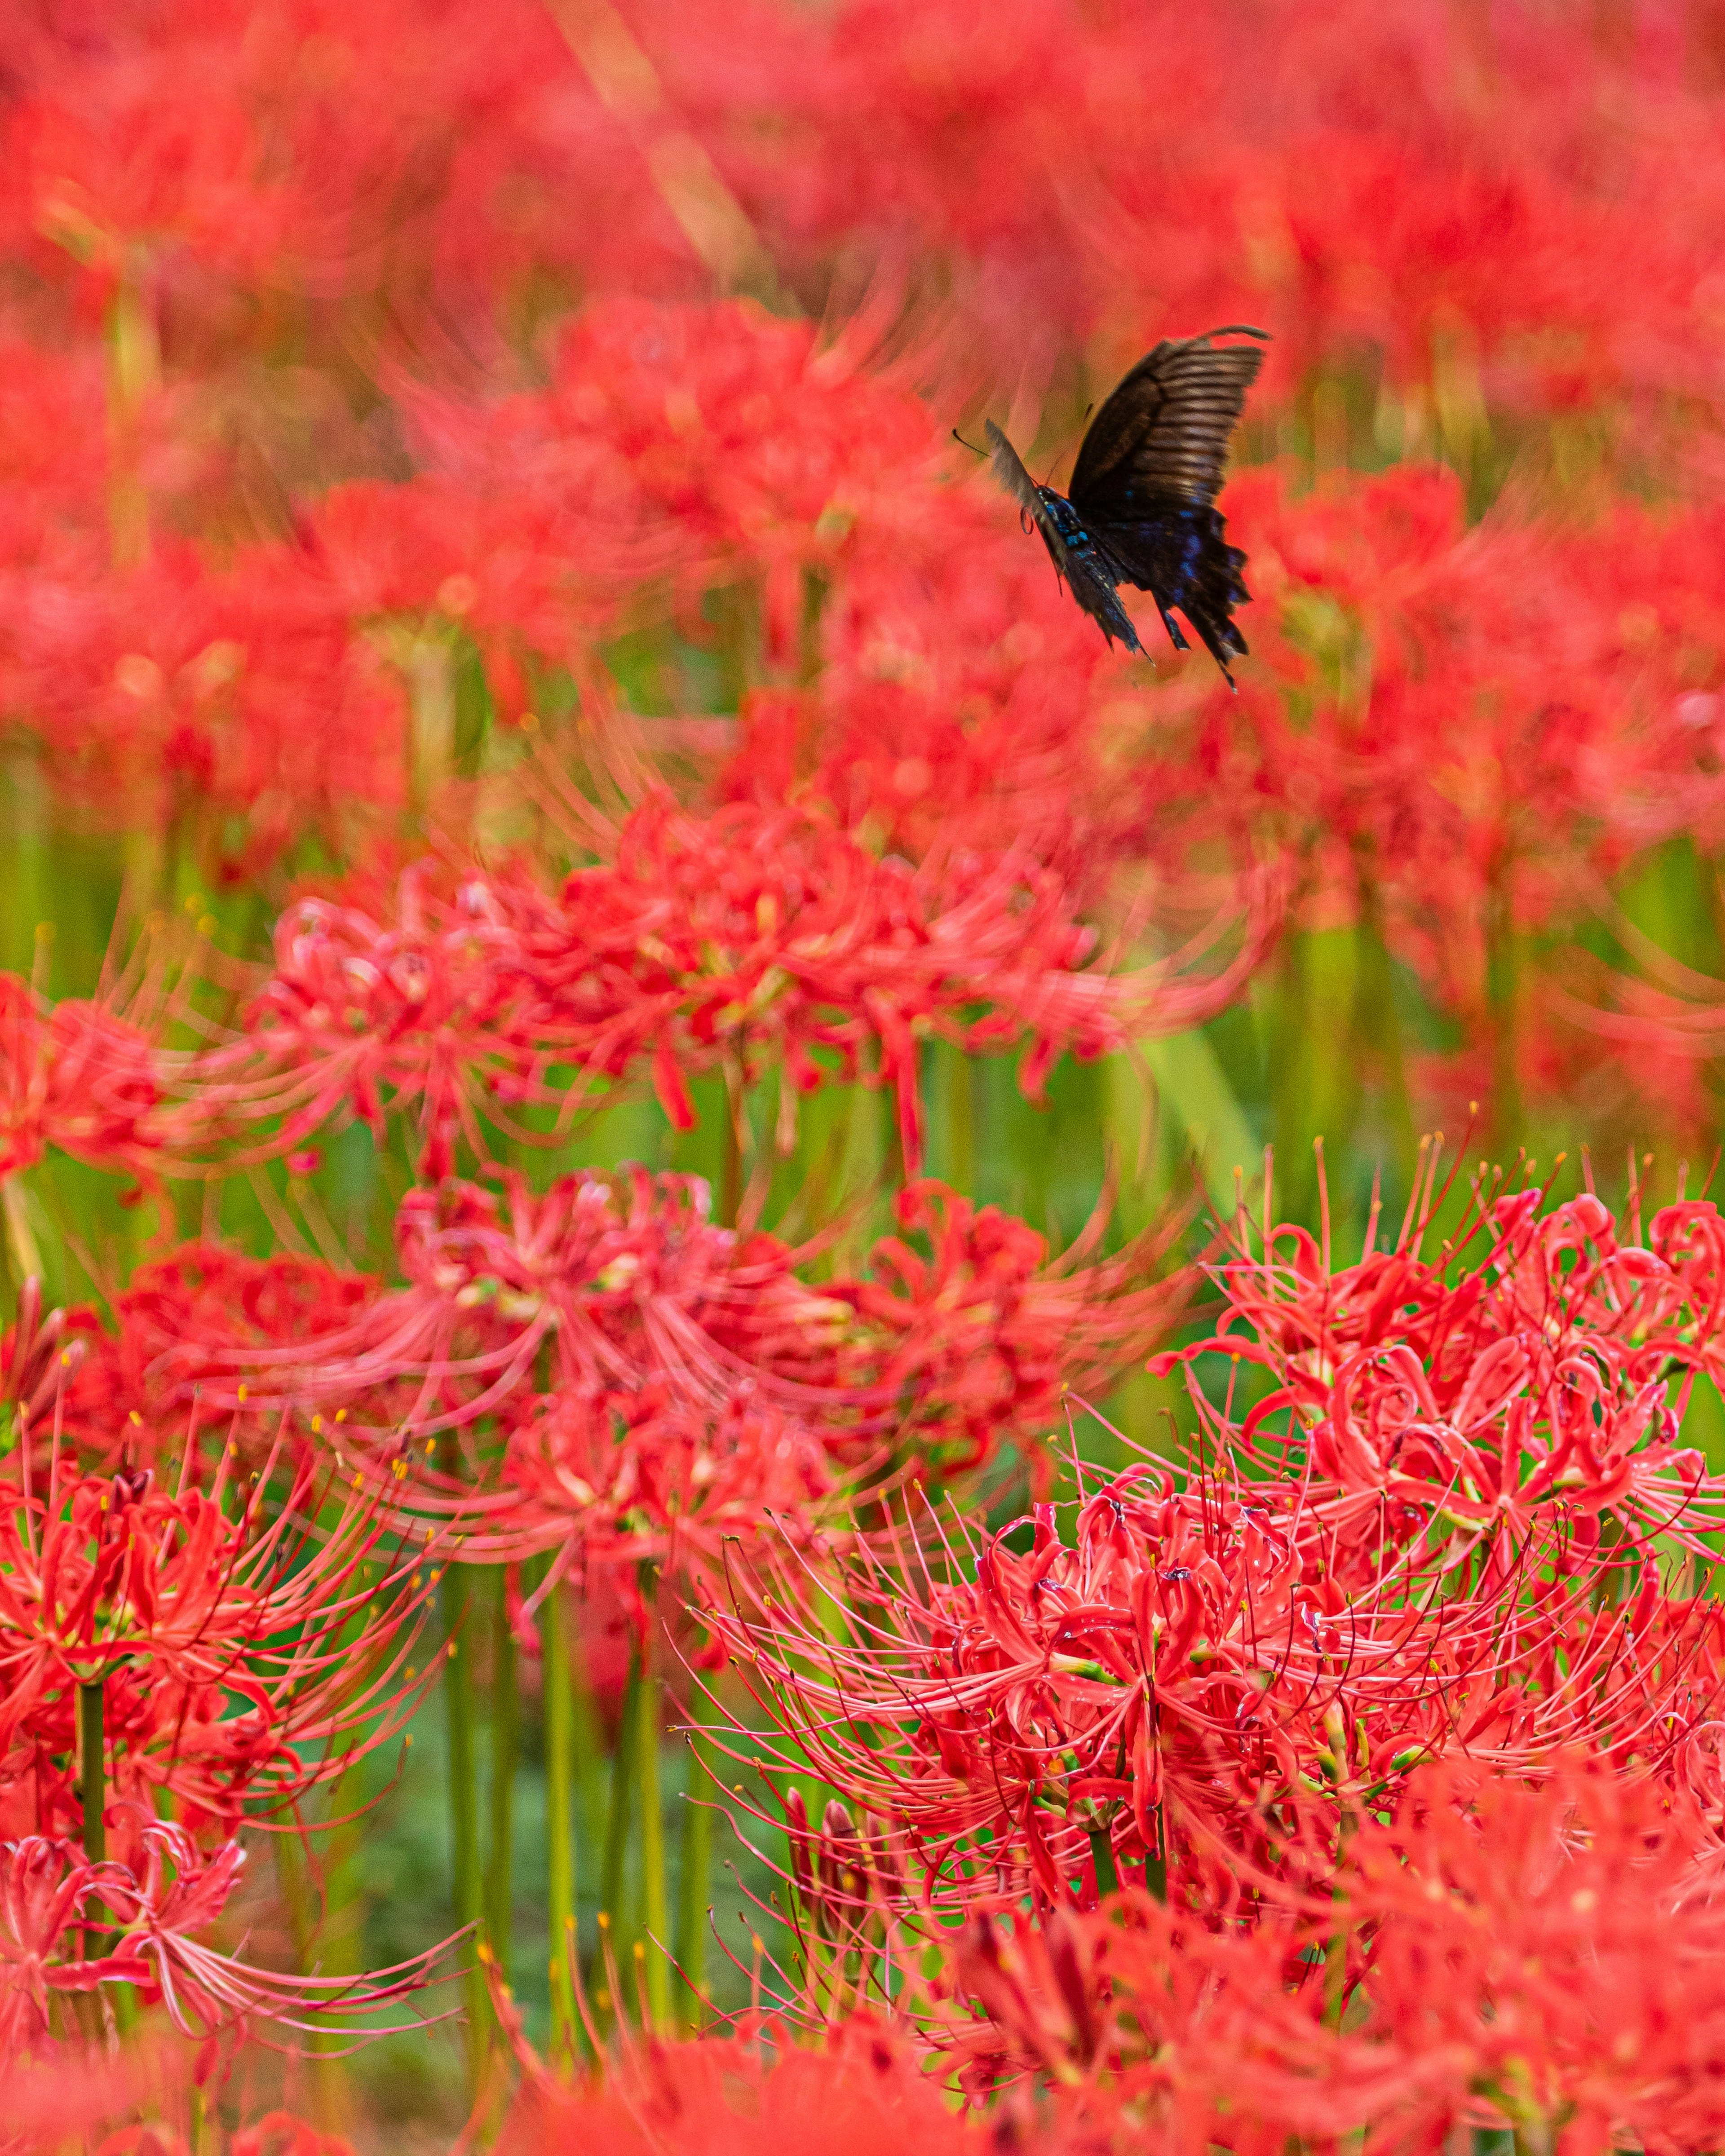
[971,446]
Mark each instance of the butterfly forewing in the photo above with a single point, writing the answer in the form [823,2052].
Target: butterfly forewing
[1007,467]
[1165,430]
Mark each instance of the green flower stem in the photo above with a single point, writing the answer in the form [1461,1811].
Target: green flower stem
[92,1749]
[429,665]
[1502,1001]
[293,1873]
[1101,1856]
[731,1160]
[500,1897]
[25,868]
[290,1875]
[617,1831]
[464,1811]
[653,1872]
[134,372]
[692,1878]
[592,1796]
[1335,1977]
[891,1140]
[559,1812]
[91,1745]
[21,1247]
[961,1127]
[1379,1026]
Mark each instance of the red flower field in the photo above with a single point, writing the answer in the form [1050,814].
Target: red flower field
[788,1356]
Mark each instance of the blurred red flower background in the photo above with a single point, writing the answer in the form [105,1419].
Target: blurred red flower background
[782,1353]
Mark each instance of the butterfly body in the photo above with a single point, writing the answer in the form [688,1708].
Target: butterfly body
[1091,571]
[1141,509]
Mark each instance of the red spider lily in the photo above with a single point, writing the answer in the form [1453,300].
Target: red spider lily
[41,1358]
[1475,284]
[1210,1675]
[718,2097]
[1539,1959]
[1451,735]
[185,167]
[987,1334]
[278,174]
[752,938]
[1454,1399]
[957,677]
[619,1479]
[45,1888]
[237,704]
[176,1892]
[79,1078]
[620,1278]
[226,1647]
[1405,197]
[625,1381]
[1545,1959]
[234,702]
[963,708]
[1678,1027]
[734,443]
[637,1296]
[418,566]
[1147,2020]
[119,1400]
[68,1926]
[1326,183]
[54,454]
[1166,1688]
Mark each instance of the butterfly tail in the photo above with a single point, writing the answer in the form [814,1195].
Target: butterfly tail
[1213,588]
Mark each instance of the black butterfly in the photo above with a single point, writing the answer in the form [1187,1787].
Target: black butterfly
[1141,509]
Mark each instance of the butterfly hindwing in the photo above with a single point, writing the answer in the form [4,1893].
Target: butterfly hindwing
[1179,554]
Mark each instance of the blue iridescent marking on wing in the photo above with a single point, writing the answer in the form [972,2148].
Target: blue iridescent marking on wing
[1087,568]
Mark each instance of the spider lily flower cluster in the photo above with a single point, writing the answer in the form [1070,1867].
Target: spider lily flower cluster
[71,1927]
[179,1663]
[752,939]
[1455,1520]
[617,1372]
[226,1659]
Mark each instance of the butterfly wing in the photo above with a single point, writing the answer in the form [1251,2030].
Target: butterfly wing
[1007,467]
[1164,432]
